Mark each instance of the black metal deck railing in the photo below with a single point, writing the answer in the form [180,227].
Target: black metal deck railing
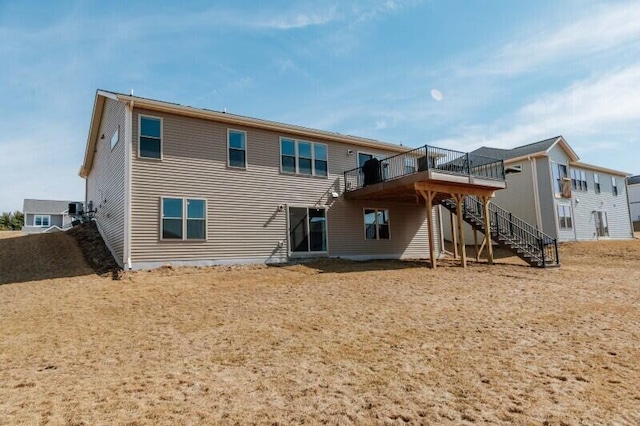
[541,246]
[420,159]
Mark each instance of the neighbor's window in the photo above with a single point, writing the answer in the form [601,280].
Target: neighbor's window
[42,220]
[237,144]
[183,219]
[559,174]
[115,137]
[578,179]
[614,185]
[564,217]
[150,137]
[376,224]
[304,158]
[596,183]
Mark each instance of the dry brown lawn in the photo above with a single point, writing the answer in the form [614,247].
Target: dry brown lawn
[331,341]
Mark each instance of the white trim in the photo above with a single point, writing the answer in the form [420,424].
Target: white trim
[291,253]
[42,216]
[184,219]
[140,116]
[536,191]
[246,157]
[364,223]
[128,154]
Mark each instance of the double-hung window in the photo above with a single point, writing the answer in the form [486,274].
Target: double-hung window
[183,219]
[376,224]
[42,220]
[564,217]
[303,158]
[559,175]
[614,185]
[150,143]
[596,183]
[237,145]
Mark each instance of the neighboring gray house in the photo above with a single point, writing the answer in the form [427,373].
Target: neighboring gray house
[633,185]
[45,216]
[565,198]
[187,186]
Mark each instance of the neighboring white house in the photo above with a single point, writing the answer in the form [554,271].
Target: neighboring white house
[633,185]
[563,197]
[45,216]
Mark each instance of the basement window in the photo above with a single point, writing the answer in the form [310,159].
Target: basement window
[183,219]
[376,224]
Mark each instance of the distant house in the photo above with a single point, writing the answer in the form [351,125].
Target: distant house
[45,216]
[633,185]
[563,197]
[174,184]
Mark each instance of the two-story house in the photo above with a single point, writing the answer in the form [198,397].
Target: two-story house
[565,198]
[188,186]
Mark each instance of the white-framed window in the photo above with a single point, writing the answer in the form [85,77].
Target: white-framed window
[614,185]
[183,219]
[150,137]
[237,148]
[303,158]
[596,183]
[115,137]
[559,175]
[307,229]
[376,224]
[578,179]
[43,220]
[564,216]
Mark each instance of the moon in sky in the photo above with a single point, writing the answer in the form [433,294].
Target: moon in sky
[436,94]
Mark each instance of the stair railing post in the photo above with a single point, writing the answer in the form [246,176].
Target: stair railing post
[555,243]
[541,244]
[511,224]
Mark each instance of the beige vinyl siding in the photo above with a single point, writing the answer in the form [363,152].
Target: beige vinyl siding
[244,221]
[105,182]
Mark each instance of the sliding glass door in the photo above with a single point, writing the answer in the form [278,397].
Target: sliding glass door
[307,230]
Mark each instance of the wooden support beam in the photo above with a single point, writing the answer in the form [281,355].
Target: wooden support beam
[463,253]
[428,198]
[487,224]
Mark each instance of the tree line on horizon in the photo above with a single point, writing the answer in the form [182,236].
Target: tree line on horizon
[11,221]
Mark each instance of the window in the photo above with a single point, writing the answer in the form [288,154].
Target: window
[150,137]
[578,179]
[614,186]
[376,224]
[596,183]
[174,225]
[559,174]
[307,230]
[237,144]
[304,158]
[115,137]
[42,220]
[583,180]
[564,217]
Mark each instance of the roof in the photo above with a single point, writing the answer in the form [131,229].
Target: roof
[45,206]
[539,147]
[156,105]
[633,180]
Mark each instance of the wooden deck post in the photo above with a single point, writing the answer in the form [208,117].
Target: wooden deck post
[463,253]
[428,198]
[487,227]
[454,239]
[475,244]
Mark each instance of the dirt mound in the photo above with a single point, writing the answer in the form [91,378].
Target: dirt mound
[94,249]
[40,257]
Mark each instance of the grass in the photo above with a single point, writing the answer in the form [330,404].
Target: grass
[330,341]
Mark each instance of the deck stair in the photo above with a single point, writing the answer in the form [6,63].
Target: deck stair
[510,232]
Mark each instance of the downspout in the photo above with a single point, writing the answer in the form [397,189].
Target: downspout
[626,190]
[536,192]
[128,129]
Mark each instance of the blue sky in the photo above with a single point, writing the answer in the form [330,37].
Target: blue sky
[509,73]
